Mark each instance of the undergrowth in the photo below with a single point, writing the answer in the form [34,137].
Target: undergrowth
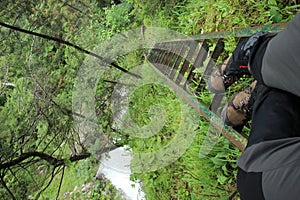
[194,176]
[206,170]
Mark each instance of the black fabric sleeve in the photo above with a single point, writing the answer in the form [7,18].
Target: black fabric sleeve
[249,185]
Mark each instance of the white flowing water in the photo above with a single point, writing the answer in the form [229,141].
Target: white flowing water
[116,168]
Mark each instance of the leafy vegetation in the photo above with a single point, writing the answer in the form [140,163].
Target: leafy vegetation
[42,153]
[38,135]
[193,177]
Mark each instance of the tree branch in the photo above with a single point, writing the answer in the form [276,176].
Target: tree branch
[7,189]
[48,184]
[71,45]
[50,159]
[60,183]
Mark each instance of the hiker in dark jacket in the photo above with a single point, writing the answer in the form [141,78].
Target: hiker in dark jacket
[270,165]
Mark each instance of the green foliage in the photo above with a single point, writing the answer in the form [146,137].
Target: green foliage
[13,125]
[212,177]
[192,177]
[36,109]
[117,17]
[104,190]
[193,16]
[35,114]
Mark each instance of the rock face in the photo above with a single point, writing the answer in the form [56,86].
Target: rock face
[116,168]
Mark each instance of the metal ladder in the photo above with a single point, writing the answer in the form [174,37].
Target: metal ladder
[177,60]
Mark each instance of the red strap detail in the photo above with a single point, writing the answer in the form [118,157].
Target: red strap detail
[243,67]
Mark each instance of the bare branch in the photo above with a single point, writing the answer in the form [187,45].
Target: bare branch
[50,159]
[7,189]
[77,9]
[72,45]
[60,182]
[48,184]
